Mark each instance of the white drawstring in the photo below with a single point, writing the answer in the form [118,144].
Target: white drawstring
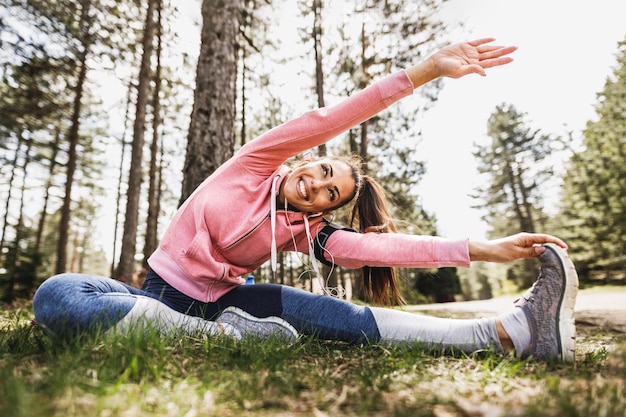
[273,249]
[273,226]
[312,258]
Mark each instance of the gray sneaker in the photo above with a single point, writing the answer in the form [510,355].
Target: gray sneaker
[245,324]
[549,308]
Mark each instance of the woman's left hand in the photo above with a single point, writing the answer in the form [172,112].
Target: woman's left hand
[511,248]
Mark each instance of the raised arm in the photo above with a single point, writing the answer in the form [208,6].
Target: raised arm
[460,59]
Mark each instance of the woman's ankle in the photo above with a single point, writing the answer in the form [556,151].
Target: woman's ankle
[505,339]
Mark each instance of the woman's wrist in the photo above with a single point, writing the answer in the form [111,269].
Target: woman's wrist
[477,250]
[423,72]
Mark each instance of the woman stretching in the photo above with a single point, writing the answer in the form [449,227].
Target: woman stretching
[254,206]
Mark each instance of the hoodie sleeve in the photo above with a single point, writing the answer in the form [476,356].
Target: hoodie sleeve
[356,250]
[320,126]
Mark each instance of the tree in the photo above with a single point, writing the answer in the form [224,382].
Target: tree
[513,166]
[441,286]
[126,265]
[85,38]
[393,34]
[315,35]
[154,174]
[593,213]
[31,100]
[211,133]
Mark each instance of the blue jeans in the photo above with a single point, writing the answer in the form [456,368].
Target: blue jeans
[72,304]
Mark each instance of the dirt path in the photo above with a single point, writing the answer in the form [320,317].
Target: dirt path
[596,307]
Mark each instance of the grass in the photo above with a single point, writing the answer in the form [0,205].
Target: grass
[146,374]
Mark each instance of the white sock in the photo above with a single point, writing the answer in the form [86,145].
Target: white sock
[516,325]
[451,334]
[148,313]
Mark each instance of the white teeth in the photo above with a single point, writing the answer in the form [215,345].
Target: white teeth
[302,189]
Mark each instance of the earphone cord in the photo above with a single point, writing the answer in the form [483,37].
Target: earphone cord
[335,292]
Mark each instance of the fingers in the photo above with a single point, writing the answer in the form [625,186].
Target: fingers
[489,57]
[496,50]
[477,69]
[482,41]
[489,63]
[492,55]
[537,239]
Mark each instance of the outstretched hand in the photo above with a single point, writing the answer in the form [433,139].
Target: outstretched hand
[519,246]
[460,59]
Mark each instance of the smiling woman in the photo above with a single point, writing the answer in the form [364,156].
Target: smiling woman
[320,186]
[254,206]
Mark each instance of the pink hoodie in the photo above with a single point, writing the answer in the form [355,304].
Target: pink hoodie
[222,231]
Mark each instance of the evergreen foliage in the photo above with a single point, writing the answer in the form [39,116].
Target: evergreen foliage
[48,130]
[513,164]
[593,215]
[53,139]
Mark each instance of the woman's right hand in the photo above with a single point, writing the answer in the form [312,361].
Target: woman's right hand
[461,59]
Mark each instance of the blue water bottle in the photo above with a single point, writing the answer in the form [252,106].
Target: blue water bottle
[250,280]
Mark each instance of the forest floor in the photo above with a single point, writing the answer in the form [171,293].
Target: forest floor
[149,374]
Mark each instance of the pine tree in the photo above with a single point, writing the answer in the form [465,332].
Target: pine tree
[85,38]
[514,168]
[126,265]
[154,177]
[594,190]
[211,134]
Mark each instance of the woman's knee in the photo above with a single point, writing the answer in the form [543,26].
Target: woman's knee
[50,290]
[328,317]
[71,303]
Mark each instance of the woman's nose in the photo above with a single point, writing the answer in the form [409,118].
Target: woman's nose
[317,184]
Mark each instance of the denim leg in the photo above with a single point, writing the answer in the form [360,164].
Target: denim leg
[328,317]
[324,316]
[260,300]
[72,304]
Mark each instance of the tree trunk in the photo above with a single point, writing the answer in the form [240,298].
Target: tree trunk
[13,264]
[14,163]
[72,137]
[319,72]
[42,218]
[120,180]
[126,265]
[244,98]
[211,132]
[154,207]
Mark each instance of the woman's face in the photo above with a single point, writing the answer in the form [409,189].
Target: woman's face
[318,186]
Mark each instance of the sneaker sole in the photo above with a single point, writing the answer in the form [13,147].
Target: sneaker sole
[289,332]
[566,330]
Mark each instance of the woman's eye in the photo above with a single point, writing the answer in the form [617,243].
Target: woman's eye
[325,170]
[331,192]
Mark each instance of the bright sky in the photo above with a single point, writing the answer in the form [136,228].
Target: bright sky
[566,51]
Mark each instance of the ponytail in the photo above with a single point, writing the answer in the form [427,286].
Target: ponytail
[381,284]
